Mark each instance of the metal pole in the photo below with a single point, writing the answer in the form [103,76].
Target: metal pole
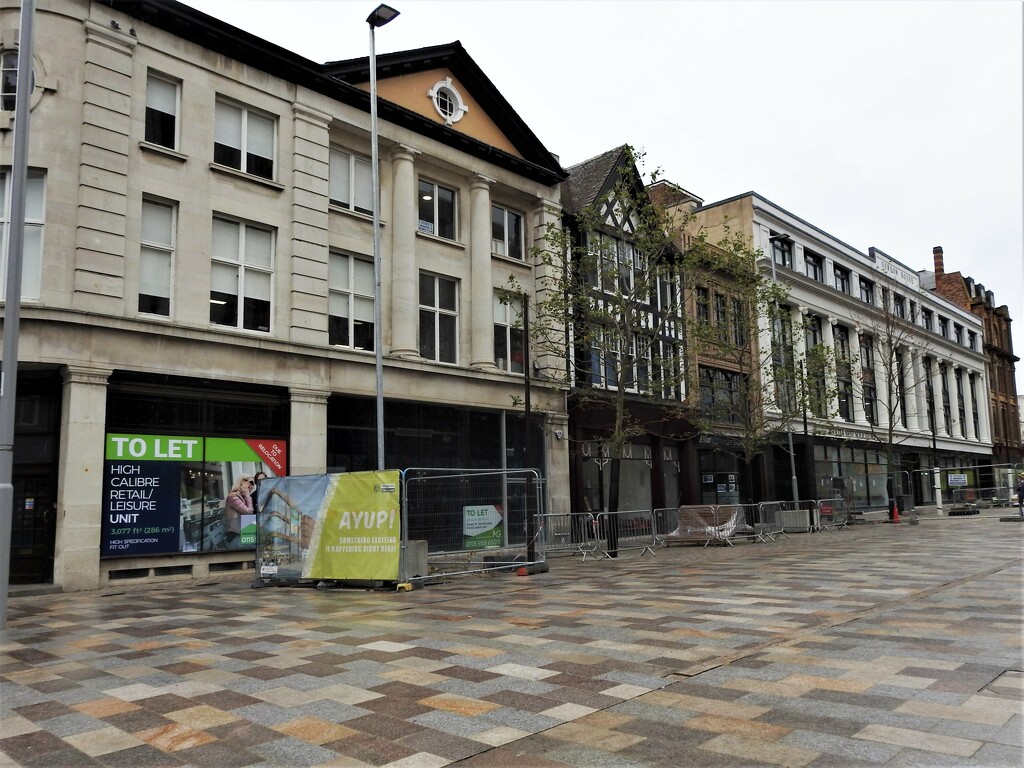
[531,528]
[378,352]
[12,307]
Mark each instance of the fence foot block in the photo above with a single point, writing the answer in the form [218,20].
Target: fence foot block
[533,568]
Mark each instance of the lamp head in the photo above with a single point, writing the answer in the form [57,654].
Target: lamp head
[381,15]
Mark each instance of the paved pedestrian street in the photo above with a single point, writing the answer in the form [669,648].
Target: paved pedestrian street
[892,645]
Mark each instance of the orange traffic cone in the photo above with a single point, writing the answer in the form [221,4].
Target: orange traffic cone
[895,511]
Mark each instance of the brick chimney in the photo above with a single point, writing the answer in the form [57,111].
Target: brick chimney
[937,255]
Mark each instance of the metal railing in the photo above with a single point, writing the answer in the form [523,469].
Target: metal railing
[572,532]
[626,530]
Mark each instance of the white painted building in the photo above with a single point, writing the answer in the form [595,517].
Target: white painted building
[925,404]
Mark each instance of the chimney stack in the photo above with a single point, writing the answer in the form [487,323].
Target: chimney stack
[937,255]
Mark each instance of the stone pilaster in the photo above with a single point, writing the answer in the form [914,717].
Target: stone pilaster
[79,517]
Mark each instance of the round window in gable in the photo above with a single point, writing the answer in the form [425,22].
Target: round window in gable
[447,101]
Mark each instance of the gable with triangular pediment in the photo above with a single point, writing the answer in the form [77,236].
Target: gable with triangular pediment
[416,92]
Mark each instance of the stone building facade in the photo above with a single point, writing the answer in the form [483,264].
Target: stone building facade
[199,278]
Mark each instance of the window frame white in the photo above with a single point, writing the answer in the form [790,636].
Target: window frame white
[244,139]
[244,269]
[34,232]
[507,311]
[434,200]
[152,249]
[503,246]
[356,192]
[355,293]
[438,313]
[154,99]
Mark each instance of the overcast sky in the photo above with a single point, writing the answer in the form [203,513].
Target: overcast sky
[889,124]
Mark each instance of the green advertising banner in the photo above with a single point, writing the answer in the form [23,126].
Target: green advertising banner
[358,530]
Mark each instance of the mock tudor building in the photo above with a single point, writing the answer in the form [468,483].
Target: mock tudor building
[907,385]
[198,283]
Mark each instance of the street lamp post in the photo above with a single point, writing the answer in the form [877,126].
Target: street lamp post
[381,15]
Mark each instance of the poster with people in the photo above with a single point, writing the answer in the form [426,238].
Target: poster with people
[166,494]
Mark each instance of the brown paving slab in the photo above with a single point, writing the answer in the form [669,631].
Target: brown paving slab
[384,726]
[142,756]
[460,705]
[30,746]
[265,673]
[506,757]
[102,708]
[44,710]
[748,728]
[226,700]
[446,745]
[174,737]
[401,709]
[165,702]
[219,755]
[520,701]
[136,720]
[183,668]
[371,749]
[315,730]
[243,733]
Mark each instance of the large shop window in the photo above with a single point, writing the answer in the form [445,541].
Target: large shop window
[175,449]
[426,435]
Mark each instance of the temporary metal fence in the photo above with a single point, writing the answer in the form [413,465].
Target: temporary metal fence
[799,516]
[625,530]
[833,514]
[698,523]
[460,521]
[985,498]
[766,521]
[572,532]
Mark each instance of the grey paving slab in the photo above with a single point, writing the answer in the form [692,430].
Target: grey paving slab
[877,645]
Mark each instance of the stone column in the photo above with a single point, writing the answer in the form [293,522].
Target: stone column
[80,486]
[883,380]
[830,343]
[984,425]
[481,342]
[969,407]
[404,275]
[920,391]
[859,417]
[937,404]
[910,388]
[307,442]
[954,394]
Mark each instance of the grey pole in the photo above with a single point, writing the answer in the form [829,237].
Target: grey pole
[381,15]
[12,307]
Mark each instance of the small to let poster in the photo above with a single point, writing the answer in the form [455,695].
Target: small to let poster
[482,527]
